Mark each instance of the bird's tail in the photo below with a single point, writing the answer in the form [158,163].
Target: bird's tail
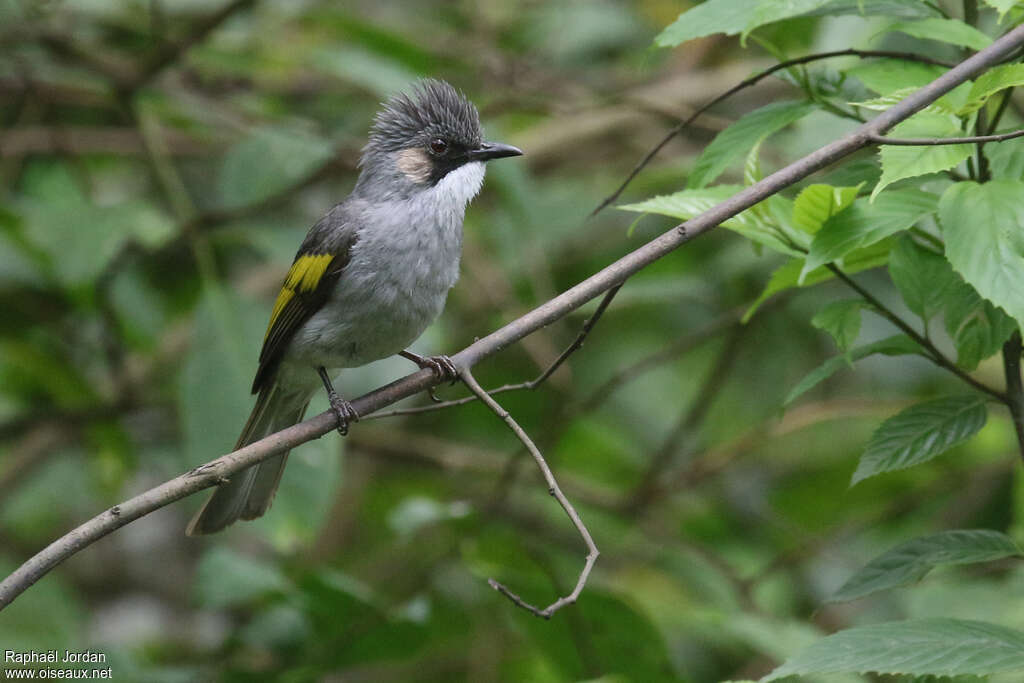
[249,493]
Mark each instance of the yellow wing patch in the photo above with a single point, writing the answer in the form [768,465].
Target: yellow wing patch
[304,276]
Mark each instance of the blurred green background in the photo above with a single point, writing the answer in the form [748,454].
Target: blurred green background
[160,162]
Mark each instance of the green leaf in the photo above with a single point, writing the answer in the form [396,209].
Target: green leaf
[734,16]
[984,229]
[1002,6]
[705,19]
[937,647]
[899,162]
[978,328]
[897,345]
[992,81]
[951,31]
[909,562]
[686,204]
[789,274]
[866,223]
[213,397]
[920,433]
[269,160]
[736,140]
[886,76]
[79,236]
[924,278]
[767,12]
[841,319]
[1006,162]
[226,578]
[817,203]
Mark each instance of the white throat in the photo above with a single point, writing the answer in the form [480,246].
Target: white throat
[459,186]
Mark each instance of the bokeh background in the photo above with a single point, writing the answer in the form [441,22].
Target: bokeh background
[160,162]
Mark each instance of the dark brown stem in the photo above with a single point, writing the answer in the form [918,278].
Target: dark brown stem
[934,354]
[1014,387]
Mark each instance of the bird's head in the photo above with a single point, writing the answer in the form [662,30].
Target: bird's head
[419,139]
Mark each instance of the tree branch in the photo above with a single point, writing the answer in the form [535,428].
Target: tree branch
[924,142]
[548,312]
[588,325]
[753,80]
[554,490]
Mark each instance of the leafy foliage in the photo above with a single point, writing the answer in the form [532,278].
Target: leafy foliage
[909,562]
[920,433]
[161,162]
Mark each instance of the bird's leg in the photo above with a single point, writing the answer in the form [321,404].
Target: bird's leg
[342,409]
[443,367]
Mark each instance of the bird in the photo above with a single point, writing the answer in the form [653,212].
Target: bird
[368,278]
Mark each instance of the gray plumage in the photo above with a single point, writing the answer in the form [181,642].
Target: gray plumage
[393,245]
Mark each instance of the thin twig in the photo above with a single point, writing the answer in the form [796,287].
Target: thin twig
[588,325]
[753,80]
[925,142]
[934,354]
[553,489]
[554,309]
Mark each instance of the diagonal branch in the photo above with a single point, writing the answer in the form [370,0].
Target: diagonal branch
[588,325]
[554,490]
[554,309]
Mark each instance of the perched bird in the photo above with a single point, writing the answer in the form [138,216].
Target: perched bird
[370,276]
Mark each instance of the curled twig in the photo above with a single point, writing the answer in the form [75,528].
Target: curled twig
[553,489]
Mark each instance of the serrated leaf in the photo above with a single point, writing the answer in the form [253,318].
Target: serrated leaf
[865,223]
[736,140]
[817,203]
[733,16]
[788,275]
[923,277]
[762,12]
[978,328]
[920,433]
[992,81]
[705,19]
[899,162]
[841,319]
[952,31]
[268,160]
[686,204]
[983,225]
[897,345]
[937,647]
[909,562]
[1006,162]
[1001,6]
[886,76]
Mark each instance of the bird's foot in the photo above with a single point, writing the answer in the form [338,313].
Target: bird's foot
[442,366]
[343,410]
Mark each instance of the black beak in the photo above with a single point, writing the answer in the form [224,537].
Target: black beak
[494,150]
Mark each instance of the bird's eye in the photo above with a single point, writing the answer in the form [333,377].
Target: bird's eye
[438,146]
